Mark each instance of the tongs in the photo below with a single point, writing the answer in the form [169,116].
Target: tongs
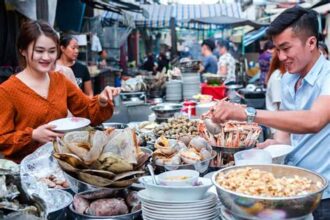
[212,127]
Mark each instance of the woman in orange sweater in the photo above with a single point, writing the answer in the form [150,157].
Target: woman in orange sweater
[36,96]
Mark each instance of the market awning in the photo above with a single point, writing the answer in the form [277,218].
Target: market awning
[254,35]
[227,21]
[160,15]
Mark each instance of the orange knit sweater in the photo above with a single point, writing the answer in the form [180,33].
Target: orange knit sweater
[22,110]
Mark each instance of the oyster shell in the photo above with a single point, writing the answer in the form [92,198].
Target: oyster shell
[71,159]
[101,173]
[94,180]
[114,163]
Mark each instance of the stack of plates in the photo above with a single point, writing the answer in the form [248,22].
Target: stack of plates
[174,90]
[191,85]
[206,209]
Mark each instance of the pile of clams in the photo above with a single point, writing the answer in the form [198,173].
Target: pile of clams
[177,127]
[182,151]
[109,158]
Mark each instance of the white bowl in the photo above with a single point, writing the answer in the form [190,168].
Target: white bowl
[252,157]
[279,152]
[178,178]
[176,193]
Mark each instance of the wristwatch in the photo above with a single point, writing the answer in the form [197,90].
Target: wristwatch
[251,114]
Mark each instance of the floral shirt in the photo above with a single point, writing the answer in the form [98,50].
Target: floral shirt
[228,61]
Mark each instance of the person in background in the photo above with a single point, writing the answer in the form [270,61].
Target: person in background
[149,63]
[264,61]
[69,52]
[273,82]
[324,50]
[103,55]
[162,62]
[304,119]
[37,95]
[227,63]
[66,71]
[209,61]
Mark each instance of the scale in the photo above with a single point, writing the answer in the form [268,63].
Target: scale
[133,98]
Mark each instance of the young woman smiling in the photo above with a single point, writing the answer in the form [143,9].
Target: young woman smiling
[36,96]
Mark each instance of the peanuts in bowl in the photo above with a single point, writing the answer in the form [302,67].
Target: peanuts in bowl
[257,182]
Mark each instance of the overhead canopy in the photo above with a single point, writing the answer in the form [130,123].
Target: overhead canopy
[160,15]
[227,21]
[251,37]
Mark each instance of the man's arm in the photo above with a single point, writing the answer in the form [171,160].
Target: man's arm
[299,122]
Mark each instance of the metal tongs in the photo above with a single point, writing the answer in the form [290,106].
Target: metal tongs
[212,127]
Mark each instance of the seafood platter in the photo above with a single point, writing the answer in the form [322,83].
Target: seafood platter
[229,138]
[185,153]
[109,158]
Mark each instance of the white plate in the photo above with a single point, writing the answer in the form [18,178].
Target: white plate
[145,197]
[181,212]
[176,208]
[176,217]
[279,150]
[70,124]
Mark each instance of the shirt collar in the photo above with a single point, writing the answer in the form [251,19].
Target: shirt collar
[312,75]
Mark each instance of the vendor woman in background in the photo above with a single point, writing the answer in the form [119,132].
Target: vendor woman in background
[69,53]
[36,96]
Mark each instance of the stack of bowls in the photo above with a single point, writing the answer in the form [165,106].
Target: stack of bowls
[179,194]
[174,90]
[191,85]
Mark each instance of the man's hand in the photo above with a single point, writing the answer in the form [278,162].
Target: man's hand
[225,111]
[267,143]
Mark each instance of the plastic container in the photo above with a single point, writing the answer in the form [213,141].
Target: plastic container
[252,157]
[189,107]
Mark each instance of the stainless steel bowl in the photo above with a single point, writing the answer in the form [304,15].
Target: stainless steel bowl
[201,166]
[166,110]
[130,216]
[60,201]
[114,125]
[253,207]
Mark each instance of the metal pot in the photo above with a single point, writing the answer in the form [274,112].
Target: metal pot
[130,216]
[250,207]
[114,125]
[166,110]
[62,199]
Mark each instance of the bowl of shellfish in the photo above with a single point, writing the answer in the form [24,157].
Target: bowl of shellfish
[189,153]
[93,159]
[231,136]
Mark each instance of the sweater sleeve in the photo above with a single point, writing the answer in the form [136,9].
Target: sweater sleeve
[82,106]
[11,141]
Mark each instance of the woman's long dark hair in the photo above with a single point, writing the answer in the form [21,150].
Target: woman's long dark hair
[29,33]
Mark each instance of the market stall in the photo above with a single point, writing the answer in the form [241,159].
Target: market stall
[107,170]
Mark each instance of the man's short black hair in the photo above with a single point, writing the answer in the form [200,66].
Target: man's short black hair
[303,22]
[223,43]
[209,43]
